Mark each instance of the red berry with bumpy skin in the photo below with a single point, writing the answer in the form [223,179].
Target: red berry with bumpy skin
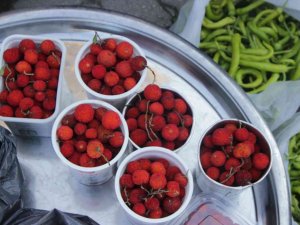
[3,95]
[53,61]
[173,189]
[117,90]
[111,120]
[75,158]
[231,127]
[124,50]
[133,166]
[152,92]
[170,132]
[6,110]
[84,113]
[39,85]
[152,203]
[218,158]
[109,44]
[52,83]
[255,174]
[64,133]
[23,67]
[31,56]
[232,164]
[145,164]
[129,83]
[187,120]
[117,139]
[180,106]
[68,120]
[11,55]
[19,113]
[35,112]
[157,123]
[169,145]
[183,134]
[42,64]
[95,149]
[131,123]
[126,181]
[168,102]
[80,146]
[156,108]
[67,150]
[22,80]
[111,78]
[158,167]
[132,112]
[260,161]
[138,63]
[139,137]
[242,150]
[106,58]
[95,85]
[205,159]
[91,133]
[137,195]
[155,214]
[226,178]
[241,134]
[140,177]
[221,136]
[95,48]
[42,73]
[85,65]
[49,104]
[86,161]
[14,97]
[124,69]
[181,179]
[139,209]
[173,118]
[171,172]
[171,205]
[213,172]
[26,44]
[207,141]
[243,177]
[98,71]
[156,143]
[158,181]
[252,137]
[47,46]
[26,103]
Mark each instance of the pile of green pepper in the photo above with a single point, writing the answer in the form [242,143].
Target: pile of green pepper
[294,172]
[255,42]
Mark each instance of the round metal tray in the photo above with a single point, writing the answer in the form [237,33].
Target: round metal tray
[213,95]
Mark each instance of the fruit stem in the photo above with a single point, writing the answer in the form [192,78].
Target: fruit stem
[55,56]
[154,75]
[180,117]
[146,118]
[96,38]
[28,74]
[6,85]
[107,161]
[150,123]
[126,195]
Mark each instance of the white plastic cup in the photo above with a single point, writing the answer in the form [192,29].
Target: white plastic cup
[133,146]
[29,126]
[116,100]
[90,175]
[207,184]
[154,153]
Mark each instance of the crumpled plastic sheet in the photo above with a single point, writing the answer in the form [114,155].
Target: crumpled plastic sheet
[11,177]
[43,217]
[280,101]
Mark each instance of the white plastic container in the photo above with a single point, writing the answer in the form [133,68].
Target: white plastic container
[154,153]
[116,100]
[28,126]
[209,185]
[133,146]
[90,175]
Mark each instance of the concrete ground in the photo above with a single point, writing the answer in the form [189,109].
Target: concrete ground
[160,12]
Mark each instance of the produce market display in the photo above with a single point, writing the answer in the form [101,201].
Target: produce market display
[255,42]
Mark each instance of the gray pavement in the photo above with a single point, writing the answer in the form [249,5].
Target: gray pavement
[160,12]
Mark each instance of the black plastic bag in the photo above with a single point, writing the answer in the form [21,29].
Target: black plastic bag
[11,177]
[11,183]
[43,217]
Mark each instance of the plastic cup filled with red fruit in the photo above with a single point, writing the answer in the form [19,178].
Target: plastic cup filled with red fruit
[158,117]
[31,79]
[90,137]
[233,155]
[153,186]
[111,68]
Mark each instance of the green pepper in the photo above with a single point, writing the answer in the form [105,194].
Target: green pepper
[270,17]
[215,33]
[212,15]
[219,24]
[249,7]
[265,66]
[235,43]
[240,75]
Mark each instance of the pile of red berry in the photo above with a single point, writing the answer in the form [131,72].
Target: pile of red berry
[90,136]
[109,68]
[30,79]
[233,155]
[153,188]
[159,117]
